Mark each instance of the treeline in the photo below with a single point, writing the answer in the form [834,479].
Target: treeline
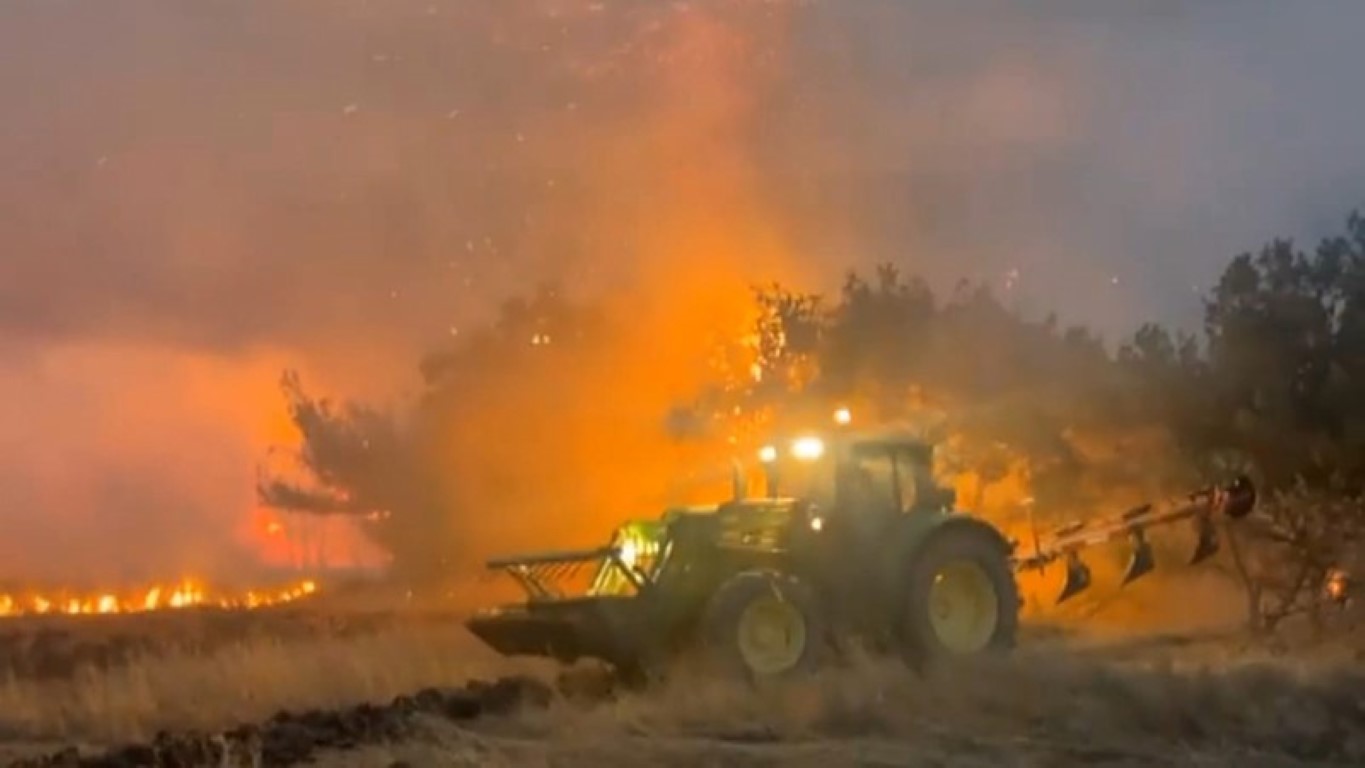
[1273,383]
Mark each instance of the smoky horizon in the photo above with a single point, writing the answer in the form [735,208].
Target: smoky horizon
[198,197]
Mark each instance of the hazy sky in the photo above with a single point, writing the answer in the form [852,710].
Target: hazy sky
[196,194]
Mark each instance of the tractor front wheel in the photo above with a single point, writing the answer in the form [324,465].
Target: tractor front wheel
[764,625]
[962,596]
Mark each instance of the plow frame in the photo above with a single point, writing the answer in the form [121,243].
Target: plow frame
[1232,502]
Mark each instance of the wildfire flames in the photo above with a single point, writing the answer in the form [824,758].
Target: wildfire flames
[186,594]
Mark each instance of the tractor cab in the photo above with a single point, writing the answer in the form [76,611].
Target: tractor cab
[864,476]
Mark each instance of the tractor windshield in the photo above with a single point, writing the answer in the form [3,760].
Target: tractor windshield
[888,477]
[802,471]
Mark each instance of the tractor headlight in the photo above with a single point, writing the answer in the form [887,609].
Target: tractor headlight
[629,552]
[767,454]
[817,524]
[843,416]
[808,448]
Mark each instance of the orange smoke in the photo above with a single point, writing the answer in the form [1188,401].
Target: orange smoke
[675,190]
[136,462]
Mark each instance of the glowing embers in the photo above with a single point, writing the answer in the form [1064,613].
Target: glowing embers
[1337,586]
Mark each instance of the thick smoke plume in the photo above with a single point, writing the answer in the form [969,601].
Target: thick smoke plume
[198,196]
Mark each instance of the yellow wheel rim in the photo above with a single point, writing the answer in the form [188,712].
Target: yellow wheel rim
[772,635]
[963,607]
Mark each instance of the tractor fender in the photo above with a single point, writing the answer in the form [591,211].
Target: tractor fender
[916,531]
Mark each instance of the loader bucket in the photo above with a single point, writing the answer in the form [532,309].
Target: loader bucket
[567,630]
[520,633]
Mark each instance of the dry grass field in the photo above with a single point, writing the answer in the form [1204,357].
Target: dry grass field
[192,676]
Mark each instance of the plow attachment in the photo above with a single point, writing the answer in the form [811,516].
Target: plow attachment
[1232,501]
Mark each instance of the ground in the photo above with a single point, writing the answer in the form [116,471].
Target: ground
[182,680]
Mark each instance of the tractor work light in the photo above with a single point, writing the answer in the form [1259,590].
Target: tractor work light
[629,552]
[808,448]
[843,416]
[767,454]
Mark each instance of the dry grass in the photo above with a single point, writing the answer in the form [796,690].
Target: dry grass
[1041,709]
[1202,705]
[240,682]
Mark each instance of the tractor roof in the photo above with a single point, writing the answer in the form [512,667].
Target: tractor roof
[886,435]
[876,436]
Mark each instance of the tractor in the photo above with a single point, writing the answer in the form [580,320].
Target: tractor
[851,540]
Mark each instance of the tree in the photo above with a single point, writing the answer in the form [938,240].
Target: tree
[358,461]
[1286,558]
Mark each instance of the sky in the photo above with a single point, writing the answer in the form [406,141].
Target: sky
[199,195]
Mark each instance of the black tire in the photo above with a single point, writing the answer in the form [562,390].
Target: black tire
[969,542]
[720,625]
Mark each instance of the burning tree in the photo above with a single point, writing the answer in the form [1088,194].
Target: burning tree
[357,461]
[1014,403]
[393,474]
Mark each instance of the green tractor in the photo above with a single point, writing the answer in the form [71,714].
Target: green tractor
[852,540]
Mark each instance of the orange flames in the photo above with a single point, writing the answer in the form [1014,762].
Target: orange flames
[186,594]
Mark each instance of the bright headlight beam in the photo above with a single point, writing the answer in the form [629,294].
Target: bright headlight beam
[629,553]
[767,454]
[808,448]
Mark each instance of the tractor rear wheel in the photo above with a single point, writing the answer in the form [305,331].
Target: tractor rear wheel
[962,596]
[764,625]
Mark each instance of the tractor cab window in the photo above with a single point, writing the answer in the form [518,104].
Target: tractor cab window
[885,479]
[912,477]
[810,479]
[907,481]
[869,483]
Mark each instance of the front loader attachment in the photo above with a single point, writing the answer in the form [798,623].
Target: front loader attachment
[1232,501]
[565,630]
[579,604]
